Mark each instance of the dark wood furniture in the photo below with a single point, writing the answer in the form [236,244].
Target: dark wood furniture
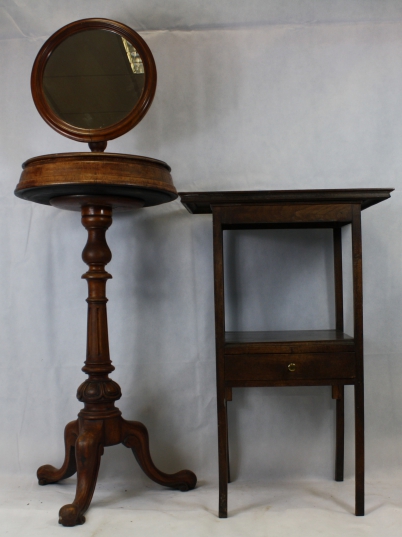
[96,184]
[290,358]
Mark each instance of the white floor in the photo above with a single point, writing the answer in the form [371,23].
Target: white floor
[304,508]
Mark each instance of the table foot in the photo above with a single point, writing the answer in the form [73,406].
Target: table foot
[70,515]
[223,504]
[135,436]
[49,474]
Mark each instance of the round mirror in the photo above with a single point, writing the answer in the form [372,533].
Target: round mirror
[93,80]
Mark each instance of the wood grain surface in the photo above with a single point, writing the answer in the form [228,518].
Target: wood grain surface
[66,174]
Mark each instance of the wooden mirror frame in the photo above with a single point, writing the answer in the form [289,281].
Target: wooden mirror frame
[97,138]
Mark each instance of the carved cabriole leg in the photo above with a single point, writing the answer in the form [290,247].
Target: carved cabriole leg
[89,450]
[49,474]
[135,436]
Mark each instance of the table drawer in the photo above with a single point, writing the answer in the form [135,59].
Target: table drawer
[290,366]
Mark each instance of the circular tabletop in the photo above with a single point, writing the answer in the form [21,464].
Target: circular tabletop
[47,177]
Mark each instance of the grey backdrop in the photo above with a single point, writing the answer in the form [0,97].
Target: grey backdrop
[256,95]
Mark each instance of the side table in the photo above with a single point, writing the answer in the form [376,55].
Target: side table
[291,358]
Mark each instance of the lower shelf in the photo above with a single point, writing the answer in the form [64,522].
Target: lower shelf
[289,341]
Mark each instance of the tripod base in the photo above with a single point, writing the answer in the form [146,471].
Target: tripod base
[85,440]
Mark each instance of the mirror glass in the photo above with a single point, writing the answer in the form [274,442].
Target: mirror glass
[93,79]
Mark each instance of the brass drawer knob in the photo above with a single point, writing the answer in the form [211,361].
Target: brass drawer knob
[292,367]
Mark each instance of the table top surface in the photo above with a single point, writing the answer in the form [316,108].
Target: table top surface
[202,202]
[108,175]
